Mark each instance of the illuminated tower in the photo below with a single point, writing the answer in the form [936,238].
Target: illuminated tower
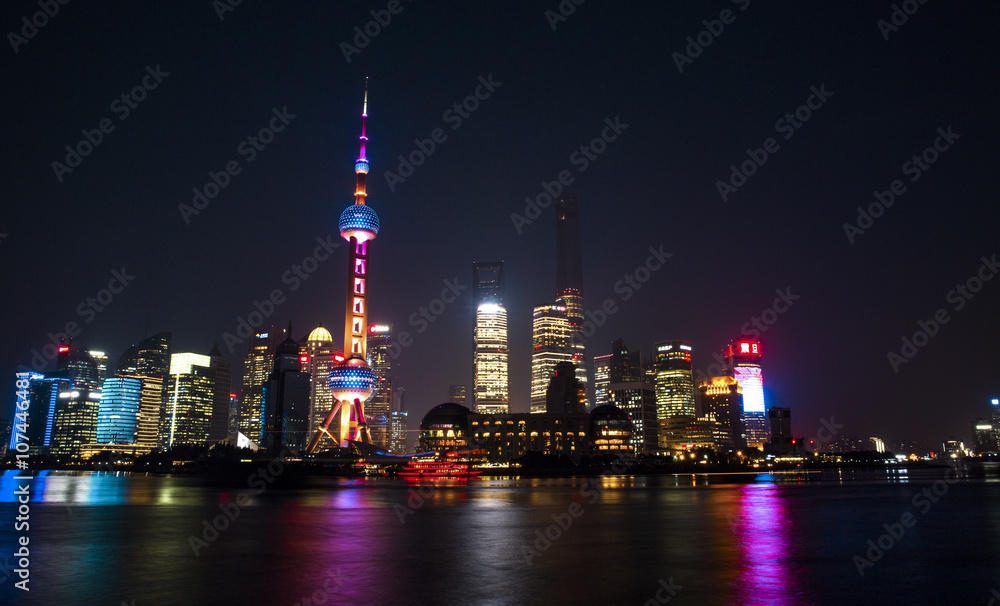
[569,277]
[380,360]
[550,346]
[352,381]
[674,384]
[257,365]
[491,388]
[602,376]
[743,360]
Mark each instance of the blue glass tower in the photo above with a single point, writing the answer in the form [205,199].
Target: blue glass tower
[118,411]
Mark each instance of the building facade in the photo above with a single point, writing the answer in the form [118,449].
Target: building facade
[550,346]
[379,407]
[491,387]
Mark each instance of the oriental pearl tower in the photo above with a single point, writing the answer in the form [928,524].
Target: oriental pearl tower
[352,381]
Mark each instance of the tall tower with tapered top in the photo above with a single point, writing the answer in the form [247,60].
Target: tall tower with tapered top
[352,381]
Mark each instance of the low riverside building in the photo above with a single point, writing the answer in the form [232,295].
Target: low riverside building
[502,438]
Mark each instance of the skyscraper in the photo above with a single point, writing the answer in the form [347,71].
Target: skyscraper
[380,360]
[190,394]
[75,415]
[75,421]
[352,381]
[41,396]
[565,394]
[674,384]
[323,354]
[286,399]
[458,394]
[602,376]
[722,400]
[148,361]
[397,423]
[257,365]
[491,386]
[550,346]
[569,277]
[118,410]
[628,391]
[219,429]
[743,360]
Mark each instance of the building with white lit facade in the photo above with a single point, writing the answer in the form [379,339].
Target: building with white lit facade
[743,360]
[491,386]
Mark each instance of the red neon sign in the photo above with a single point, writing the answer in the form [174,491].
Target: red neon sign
[63,348]
[304,359]
[338,358]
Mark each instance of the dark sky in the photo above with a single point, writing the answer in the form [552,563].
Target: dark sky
[654,185]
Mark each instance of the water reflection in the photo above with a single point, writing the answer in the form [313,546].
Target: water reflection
[766,536]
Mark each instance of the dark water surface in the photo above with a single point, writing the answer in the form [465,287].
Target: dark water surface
[106,538]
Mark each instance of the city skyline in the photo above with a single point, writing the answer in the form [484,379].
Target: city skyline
[771,261]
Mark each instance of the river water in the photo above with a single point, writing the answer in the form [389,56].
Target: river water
[148,540]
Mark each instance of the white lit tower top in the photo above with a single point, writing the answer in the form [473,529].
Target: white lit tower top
[743,359]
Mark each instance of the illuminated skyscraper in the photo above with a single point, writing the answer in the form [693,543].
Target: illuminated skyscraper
[380,360]
[40,394]
[569,277]
[743,360]
[148,361]
[550,346]
[322,357]
[722,400]
[75,421]
[257,366]
[190,393]
[397,423]
[75,414]
[602,376]
[118,410]
[352,381]
[674,385]
[491,386]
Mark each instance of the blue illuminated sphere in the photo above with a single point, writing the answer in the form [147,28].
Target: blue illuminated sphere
[352,380]
[359,221]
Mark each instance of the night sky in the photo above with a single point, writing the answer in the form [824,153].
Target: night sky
[655,185]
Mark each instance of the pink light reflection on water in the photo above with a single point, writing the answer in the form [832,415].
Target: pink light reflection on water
[766,537]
